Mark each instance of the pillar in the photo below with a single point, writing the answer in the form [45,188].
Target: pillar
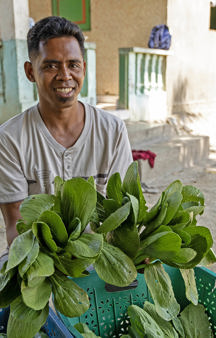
[16,92]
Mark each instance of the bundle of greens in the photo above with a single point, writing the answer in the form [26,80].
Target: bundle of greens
[51,246]
[167,233]
[146,323]
[191,322]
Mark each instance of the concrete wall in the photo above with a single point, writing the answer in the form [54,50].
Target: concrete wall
[191,71]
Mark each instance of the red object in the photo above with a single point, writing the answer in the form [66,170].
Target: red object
[144,155]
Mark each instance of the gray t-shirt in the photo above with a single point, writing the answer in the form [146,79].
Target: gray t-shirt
[30,157]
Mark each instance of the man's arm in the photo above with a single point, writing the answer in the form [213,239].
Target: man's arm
[11,214]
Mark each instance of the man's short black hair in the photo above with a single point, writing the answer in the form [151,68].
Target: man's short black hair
[53,27]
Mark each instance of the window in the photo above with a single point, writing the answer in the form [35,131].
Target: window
[213,14]
[77,11]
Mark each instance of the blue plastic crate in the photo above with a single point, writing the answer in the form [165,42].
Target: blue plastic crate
[53,326]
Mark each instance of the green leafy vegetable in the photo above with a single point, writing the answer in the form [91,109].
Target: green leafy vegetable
[131,185]
[30,258]
[52,244]
[19,249]
[86,246]
[195,322]
[33,206]
[69,298]
[74,229]
[56,226]
[43,266]
[44,235]
[166,326]
[190,285]
[143,324]
[114,267]
[23,321]
[126,238]
[114,188]
[159,284]
[38,296]
[85,331]
[78,199]
[10,292]
[192,322]
[115,219]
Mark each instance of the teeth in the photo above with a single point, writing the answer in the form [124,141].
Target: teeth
[63,90]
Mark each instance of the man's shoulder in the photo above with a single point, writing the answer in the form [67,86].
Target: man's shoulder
[13,126]
[104,117]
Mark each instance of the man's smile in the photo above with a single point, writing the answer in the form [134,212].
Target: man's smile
[64,91]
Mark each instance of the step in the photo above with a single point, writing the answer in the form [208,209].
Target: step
[179,153]
[142,134]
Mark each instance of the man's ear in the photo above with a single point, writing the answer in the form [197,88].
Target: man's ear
[84,67]
[29,71]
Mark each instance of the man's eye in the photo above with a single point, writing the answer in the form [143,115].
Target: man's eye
[74,65]
[50,66]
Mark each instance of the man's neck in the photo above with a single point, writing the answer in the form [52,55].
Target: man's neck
[53,116]
[65,125]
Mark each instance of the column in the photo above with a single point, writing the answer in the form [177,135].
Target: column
[16,92]
[161,84]
[88,92]
[153,71]
[146,74]
[139,74]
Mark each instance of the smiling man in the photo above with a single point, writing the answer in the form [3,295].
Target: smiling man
[61,135]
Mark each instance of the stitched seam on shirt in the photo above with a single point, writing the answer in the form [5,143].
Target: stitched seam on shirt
[7,199]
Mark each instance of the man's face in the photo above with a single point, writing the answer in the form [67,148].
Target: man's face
[58,70]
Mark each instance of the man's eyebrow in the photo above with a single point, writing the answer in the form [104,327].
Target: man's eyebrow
[51,61]
[57,61]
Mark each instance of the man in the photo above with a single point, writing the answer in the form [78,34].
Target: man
[60,136]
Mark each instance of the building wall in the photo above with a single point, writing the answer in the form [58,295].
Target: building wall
[191,71]
[191,77]
[114,24]
[39,9]
[120,23]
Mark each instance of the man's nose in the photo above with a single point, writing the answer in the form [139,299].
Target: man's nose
[63,74]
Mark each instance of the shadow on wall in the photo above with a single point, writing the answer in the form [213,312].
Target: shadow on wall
[179,94]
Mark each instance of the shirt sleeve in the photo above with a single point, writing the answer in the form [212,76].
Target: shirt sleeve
[122,154]
[13,184]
